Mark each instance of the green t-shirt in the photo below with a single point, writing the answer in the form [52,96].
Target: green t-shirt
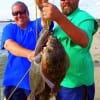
[81,69]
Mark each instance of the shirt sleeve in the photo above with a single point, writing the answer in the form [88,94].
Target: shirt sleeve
[51,26]
[89,27]
[7,34]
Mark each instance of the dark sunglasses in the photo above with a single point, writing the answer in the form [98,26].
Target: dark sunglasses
[19,12]
[62,0]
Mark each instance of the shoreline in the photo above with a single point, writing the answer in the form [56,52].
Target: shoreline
[95,48]
[95,51]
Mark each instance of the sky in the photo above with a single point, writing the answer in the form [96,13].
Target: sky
[91,6]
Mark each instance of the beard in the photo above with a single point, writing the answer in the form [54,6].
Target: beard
[66,10]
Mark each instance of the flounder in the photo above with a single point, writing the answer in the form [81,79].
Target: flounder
[48,67]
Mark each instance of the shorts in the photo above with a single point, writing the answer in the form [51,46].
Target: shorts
[19,94]
[79,93]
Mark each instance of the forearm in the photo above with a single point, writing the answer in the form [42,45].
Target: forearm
[77,35]
[16,49]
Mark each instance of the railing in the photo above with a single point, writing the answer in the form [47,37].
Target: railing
[1,93]
[3,58]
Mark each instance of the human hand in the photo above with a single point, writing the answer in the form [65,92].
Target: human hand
[31,56]
[50,12]
[40,2]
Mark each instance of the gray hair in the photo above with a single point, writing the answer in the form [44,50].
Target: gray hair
[22,3]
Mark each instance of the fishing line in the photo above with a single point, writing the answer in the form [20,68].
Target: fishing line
[18,84]
[36,14]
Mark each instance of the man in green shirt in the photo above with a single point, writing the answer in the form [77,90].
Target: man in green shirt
[74,29]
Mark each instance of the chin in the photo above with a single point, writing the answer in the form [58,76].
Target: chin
[67,12]
[21,25]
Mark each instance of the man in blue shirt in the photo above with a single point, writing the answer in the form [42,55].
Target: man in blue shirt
[19,39]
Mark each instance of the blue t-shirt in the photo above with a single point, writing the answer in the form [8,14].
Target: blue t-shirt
[16,67]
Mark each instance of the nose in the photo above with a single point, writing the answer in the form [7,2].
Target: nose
[19,14]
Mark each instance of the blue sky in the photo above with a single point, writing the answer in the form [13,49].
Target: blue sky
[91,6]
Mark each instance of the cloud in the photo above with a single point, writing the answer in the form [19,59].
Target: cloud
[98,3]
[91,6]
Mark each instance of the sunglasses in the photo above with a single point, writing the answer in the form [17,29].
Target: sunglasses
[62,0]
[19,12]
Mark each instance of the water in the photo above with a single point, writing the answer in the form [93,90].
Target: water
[3,53]
[3,58]
[2,24]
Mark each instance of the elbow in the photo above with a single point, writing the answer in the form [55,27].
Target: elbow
[84,42]
[5,46]
[84,45]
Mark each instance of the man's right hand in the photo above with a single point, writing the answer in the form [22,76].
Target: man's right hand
[39,2]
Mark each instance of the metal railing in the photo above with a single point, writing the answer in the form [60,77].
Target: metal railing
[1,93]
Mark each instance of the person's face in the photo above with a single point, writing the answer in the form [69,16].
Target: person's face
[20,15]
[68,6]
